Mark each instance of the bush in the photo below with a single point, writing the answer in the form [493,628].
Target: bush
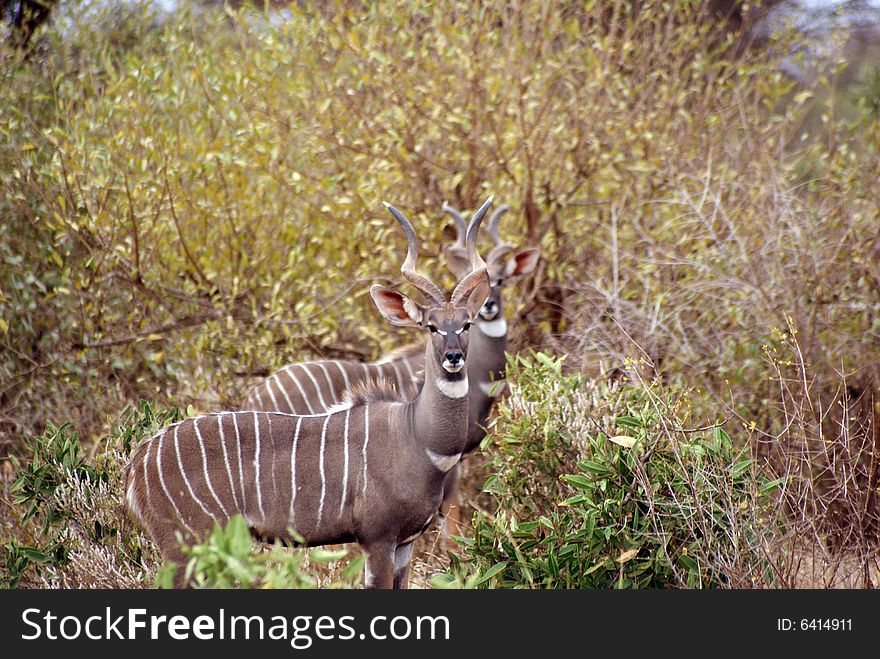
[214,219]
[227,560]
[602,485]
[73,529]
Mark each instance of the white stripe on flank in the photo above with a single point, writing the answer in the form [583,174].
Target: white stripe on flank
[366,441]
[272,456]
[205,468]
[345,453]
[340,407]
[186,482]
[240,470]
[400,389]
[226,461]
[257,468]
[344,375]
[271,395]
[302,391]
[330,387]
[132,502]
[412,377]
[283,391]
[321,469]
[256,392]
[293,471]
[308,371]
[162,482]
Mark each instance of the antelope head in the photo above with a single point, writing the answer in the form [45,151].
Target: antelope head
[447,321]
[505,264]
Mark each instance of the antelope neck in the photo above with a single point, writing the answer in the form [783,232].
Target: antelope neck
[439,413]
[487,352]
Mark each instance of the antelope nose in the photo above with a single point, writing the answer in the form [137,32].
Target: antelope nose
[453,357]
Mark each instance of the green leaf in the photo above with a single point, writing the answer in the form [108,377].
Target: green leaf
[491,572]
[629,422]
[581,482]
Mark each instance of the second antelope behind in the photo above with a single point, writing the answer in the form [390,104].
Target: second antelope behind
[369,471]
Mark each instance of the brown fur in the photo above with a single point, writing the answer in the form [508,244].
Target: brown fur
[373,391]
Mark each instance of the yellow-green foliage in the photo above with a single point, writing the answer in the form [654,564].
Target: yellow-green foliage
[227,560]
[211,191]
[599,485]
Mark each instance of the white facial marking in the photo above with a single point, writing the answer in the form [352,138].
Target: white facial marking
[443,462]
[493,389]
[494,328]
[453,389]
[452,368]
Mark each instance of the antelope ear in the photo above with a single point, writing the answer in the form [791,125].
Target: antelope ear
[396,307]
[478,296]
[522,263]
[457,261]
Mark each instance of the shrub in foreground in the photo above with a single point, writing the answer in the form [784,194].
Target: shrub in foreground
[73,530]
[227,560]
[601,485]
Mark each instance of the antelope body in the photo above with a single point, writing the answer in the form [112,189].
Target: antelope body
[370,470]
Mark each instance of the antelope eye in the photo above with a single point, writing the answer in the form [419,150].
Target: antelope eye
[433,329]
[466,327]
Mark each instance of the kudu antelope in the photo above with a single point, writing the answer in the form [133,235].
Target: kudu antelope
[488,348]
[505,264]
[315,386]
[369,471]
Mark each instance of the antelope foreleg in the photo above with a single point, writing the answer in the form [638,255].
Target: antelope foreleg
[379,567]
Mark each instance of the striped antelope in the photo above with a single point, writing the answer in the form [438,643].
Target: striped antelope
[369,471]
[310,387]
[316,386]
[489,340]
